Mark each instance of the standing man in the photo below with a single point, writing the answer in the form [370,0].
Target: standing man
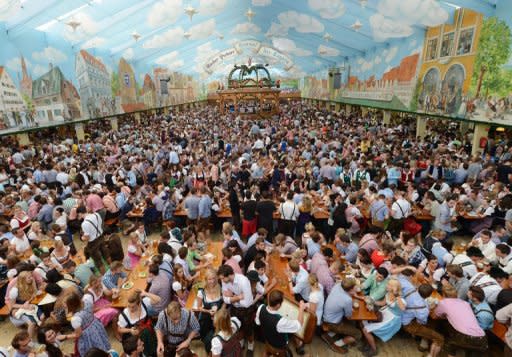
[92,235]
[237,292]
[276,329]
[192,206]
[205,211]
[289,213]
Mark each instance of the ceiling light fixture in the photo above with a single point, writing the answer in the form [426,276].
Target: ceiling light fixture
[356,26]
[136,36]
[73,24]
[327,37]
[190,11]
[250,14]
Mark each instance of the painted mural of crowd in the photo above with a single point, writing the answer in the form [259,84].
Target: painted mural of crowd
[447,98]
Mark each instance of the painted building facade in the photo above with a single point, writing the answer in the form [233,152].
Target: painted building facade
[12,106]
[127,84]
[449,53]
[94,83]
[55,98]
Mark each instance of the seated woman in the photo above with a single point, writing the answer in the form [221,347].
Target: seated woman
[393,306]
[208,302]
[21,310]
[20,219]
[226,337]
[375,286]
[36,232]
[96,295]
[135,320]
[61,252]
[19,243]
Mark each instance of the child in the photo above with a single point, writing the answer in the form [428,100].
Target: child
[135,249]
[180,293]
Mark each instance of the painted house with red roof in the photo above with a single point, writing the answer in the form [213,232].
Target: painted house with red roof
[11,101]
[94,85]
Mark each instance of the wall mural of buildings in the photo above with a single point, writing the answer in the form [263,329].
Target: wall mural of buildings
[461,68]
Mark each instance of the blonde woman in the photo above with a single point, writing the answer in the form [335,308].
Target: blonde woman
[36,232]
[394,305]
[21,311]
[96,296]
[316,298]
[61,252]
[135,319]
[208,302]
[226,337]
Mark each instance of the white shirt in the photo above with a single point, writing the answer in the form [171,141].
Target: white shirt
[491,291]
[63,178]
[92,226]
[121,322]
[401,208]
[21,244]
[466,263]
[289,210]
[284,325]
[240,285]
[488,249]
[506,264]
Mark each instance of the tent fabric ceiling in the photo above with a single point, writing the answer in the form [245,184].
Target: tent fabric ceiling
[184,34]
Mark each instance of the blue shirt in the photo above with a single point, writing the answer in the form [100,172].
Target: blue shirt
[192,205]
[205,206]
[349,252]
[301,284]
[417,307]
[393,176]
[379,210]
[484,315]
[338,305]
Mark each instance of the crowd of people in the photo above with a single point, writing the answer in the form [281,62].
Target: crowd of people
[395,208]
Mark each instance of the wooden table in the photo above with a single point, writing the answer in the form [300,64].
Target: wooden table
[361,313]
[138,276]
[278,269]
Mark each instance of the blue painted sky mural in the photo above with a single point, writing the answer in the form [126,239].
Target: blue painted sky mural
[197,41]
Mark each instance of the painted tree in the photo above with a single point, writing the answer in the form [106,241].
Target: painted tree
[114,84]
[493,52]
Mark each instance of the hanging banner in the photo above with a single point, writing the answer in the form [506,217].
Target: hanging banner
[250,48]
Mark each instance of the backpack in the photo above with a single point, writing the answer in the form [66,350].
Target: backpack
[168,210]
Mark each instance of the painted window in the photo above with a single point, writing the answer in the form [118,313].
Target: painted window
[447,44]
[127,79]
[431,49]
[465,41]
